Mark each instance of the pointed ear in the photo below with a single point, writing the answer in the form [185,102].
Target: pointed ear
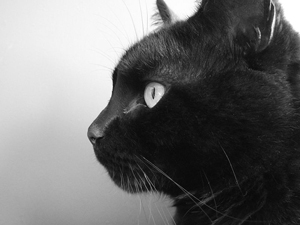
[165,14]
[254,24]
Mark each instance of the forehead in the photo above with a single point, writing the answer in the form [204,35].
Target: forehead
[176,53]
[155,55]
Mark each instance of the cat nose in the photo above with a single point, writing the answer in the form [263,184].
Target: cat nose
[94,133]
[97,129]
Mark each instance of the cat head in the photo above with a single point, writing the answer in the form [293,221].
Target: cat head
[199,98]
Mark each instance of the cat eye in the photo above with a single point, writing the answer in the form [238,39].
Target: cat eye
[153,93]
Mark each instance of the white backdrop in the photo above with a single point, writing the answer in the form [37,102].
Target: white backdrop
[56,58]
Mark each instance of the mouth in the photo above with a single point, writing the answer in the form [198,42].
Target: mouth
[127,171]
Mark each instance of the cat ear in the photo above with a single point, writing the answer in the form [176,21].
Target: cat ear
[254,24]
[165,13]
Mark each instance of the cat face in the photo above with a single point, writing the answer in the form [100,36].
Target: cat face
[193,102]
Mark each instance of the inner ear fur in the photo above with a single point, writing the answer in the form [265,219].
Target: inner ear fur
[249,23]
[254,24]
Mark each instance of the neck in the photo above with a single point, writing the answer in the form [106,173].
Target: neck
[249,204]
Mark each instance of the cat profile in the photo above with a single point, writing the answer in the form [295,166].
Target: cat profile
[207,111]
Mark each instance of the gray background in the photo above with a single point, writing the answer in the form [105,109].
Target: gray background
[56,58]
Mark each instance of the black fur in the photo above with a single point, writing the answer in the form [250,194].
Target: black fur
[224,141]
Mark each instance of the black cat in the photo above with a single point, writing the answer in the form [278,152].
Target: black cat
[207,111]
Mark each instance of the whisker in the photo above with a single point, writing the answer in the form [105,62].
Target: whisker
[162,215]
[129,187]
[105,67]
[151,185]
[120,22]
[151,170]
[101,69]
[114,34]
[114,48]
[104,55]
[212,193]
[136,34]
[140,209]
[173,221]
[147,16]
[136,183]
[191,196]
[142,20]
[112,30]
[151,214]
[122,182]
[142,182]
[232,169]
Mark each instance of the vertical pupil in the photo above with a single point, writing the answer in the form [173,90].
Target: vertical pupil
[153,93]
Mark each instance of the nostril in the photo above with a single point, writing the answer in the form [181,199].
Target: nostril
[94,133]
[93,140]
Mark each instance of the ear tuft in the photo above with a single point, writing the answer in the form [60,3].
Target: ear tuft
[165,13]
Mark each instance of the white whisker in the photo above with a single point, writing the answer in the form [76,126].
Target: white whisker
[108,28]
[136,34]
[150,213]
[147,179]
[121,46]
[106,67]
[120,23]
[162,215]
[105,55]
[234,174]
[147,16]
[191,196]
[142,19]
[198,203]
[212,193]
[173,221]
